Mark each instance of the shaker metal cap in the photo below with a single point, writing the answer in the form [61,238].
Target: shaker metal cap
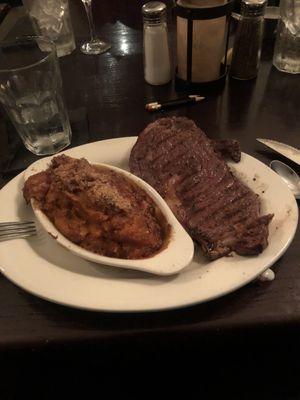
[253,8]
[154,11]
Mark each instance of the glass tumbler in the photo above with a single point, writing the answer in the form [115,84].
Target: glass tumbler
[287,47]
[51,19]
[31,93]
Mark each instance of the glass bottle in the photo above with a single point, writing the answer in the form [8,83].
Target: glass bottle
[287,46]
[157,64]
[248,40]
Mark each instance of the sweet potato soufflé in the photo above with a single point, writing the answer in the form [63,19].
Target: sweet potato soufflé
[98,208]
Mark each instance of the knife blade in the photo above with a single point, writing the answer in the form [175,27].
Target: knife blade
[286,150]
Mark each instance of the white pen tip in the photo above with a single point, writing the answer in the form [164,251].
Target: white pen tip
[196,97]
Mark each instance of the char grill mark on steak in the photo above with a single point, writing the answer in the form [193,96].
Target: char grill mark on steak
[216,206]
[199,193]
[188,170]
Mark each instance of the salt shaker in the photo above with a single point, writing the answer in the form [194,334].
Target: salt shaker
[157,63]
[248,40]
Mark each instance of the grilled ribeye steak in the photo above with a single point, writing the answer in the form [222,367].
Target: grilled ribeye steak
[187,168]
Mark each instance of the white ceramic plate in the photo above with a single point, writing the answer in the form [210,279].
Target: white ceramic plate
[173,258]
[42,267]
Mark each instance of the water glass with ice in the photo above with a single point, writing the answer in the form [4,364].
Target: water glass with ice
[287,47]
[51,19]
[31,93]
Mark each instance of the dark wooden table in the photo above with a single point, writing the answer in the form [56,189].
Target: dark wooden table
[245,342]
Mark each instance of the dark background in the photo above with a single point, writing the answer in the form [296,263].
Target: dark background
[243,346]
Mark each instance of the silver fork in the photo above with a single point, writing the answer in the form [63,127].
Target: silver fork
[16,230]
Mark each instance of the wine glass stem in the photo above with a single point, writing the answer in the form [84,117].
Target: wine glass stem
[88,9]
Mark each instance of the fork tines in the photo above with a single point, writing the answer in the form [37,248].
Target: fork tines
[14,230]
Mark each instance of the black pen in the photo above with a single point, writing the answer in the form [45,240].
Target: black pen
[190,99]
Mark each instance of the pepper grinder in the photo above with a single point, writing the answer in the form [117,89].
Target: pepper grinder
[248,40]
[157,64]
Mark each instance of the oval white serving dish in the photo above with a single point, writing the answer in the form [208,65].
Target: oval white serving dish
[170,260]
